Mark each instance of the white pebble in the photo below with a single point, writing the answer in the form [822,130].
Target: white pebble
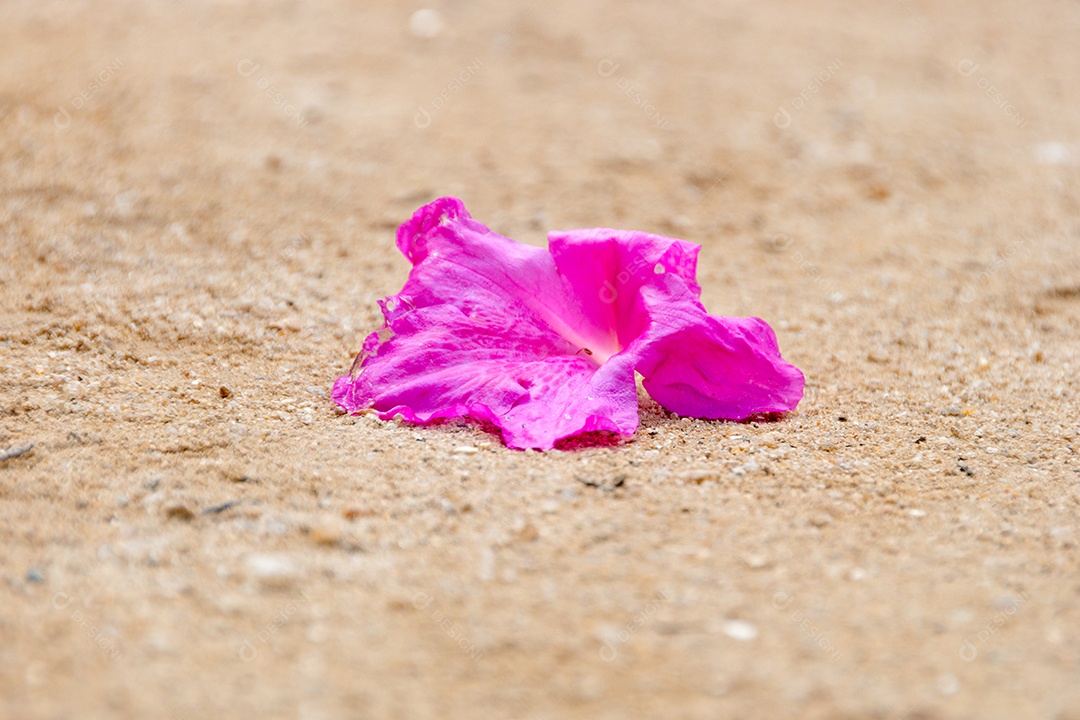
[272,570]
[1053,153]
[740,630]
[426,23]
[948,685]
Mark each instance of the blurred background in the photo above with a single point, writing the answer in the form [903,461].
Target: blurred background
[197,210]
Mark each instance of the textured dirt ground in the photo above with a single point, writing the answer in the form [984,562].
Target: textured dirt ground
[197,207]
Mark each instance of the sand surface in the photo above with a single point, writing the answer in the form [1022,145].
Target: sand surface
[197,208]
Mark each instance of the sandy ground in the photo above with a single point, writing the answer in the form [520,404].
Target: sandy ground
[197,208]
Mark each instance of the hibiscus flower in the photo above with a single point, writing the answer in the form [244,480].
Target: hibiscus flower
[544,344]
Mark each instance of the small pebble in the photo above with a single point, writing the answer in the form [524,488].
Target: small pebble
[272,571]
[179,512]
[740,630]
[425,23]
[1052,153]
[326,535]
[952,411]
[15,451]
[32,575]
[465,450]
[698,476]
[948,685]
[528,533]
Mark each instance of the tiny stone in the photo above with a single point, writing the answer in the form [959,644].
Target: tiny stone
[1052,153]
[948,685]
[878,356]
[425,23]
[740,630]
[916,513]
[179,512]
[272,571]
[15,451]
[34,576]
[952,411]
[699,476]
[224,392]
[217,509]
[528,533]
[465,450]
[325,535]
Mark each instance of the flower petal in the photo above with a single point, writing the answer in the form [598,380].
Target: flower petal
[544,344]
[485,327]
[605,269]
[643,286]
[699,365]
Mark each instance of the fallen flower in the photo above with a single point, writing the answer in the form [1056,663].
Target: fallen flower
[544,344]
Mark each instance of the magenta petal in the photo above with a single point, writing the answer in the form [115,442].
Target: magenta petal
[606,269]
[545,344]
[693,364]
[442,362]
[485,328]
[698,365]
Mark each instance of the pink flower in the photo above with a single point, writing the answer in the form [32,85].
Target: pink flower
[545,343]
